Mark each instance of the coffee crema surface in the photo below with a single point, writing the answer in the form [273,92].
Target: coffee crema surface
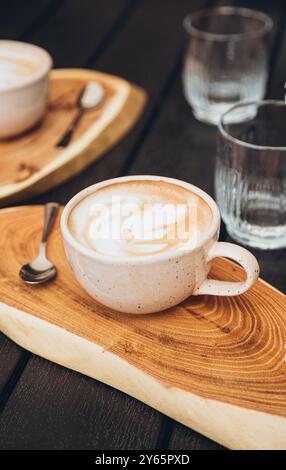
[140,218]
[14,67]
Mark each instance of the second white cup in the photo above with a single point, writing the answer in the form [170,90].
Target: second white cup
[24,86]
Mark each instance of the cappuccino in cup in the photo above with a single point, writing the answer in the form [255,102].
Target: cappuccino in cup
[139,218]
[24,86]
[142,244]
[14,68]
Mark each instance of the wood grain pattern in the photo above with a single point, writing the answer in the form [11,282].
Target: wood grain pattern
[211,363]
[31,163]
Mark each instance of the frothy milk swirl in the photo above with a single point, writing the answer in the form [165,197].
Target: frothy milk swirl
[137,218]
[14,67]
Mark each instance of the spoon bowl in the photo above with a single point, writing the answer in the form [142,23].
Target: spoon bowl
[30,275]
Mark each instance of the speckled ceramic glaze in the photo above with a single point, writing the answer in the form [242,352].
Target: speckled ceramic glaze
[146,284]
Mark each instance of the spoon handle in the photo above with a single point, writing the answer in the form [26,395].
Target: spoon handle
[65,139]
[51,210]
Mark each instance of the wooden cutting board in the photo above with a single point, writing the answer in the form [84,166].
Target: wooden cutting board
[215,364]
[31,163]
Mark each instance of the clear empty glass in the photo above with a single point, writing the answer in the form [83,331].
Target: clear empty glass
[250,176]
[226,61]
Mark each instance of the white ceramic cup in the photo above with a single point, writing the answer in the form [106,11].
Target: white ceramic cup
[155,282]
[23,100]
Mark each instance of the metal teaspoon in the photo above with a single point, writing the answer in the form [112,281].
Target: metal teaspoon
[89,98]
[41,269]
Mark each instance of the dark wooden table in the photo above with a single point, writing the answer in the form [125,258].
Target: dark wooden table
[45,406]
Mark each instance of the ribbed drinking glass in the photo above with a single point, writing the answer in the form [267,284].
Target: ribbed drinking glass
[250,176]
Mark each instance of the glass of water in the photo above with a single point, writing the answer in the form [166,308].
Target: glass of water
[226,61]
[250,176]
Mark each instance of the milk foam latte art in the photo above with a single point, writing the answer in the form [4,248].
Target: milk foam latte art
[14,68]
[140,218]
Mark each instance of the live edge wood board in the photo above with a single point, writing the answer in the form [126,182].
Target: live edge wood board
[215,364]
[31,163]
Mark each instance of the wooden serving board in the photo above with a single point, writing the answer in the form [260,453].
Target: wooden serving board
[215,364]
[31,163]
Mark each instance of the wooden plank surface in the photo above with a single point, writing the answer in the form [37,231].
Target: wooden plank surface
[78,29]
[17,18]
[128,41]
[55,408]
[11,355]
[182,438]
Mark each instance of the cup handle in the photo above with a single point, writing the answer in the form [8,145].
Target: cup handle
[226,288]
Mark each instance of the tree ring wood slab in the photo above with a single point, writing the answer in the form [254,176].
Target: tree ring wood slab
[31,163]
[215,364]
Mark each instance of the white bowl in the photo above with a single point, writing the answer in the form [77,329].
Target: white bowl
[24,86]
